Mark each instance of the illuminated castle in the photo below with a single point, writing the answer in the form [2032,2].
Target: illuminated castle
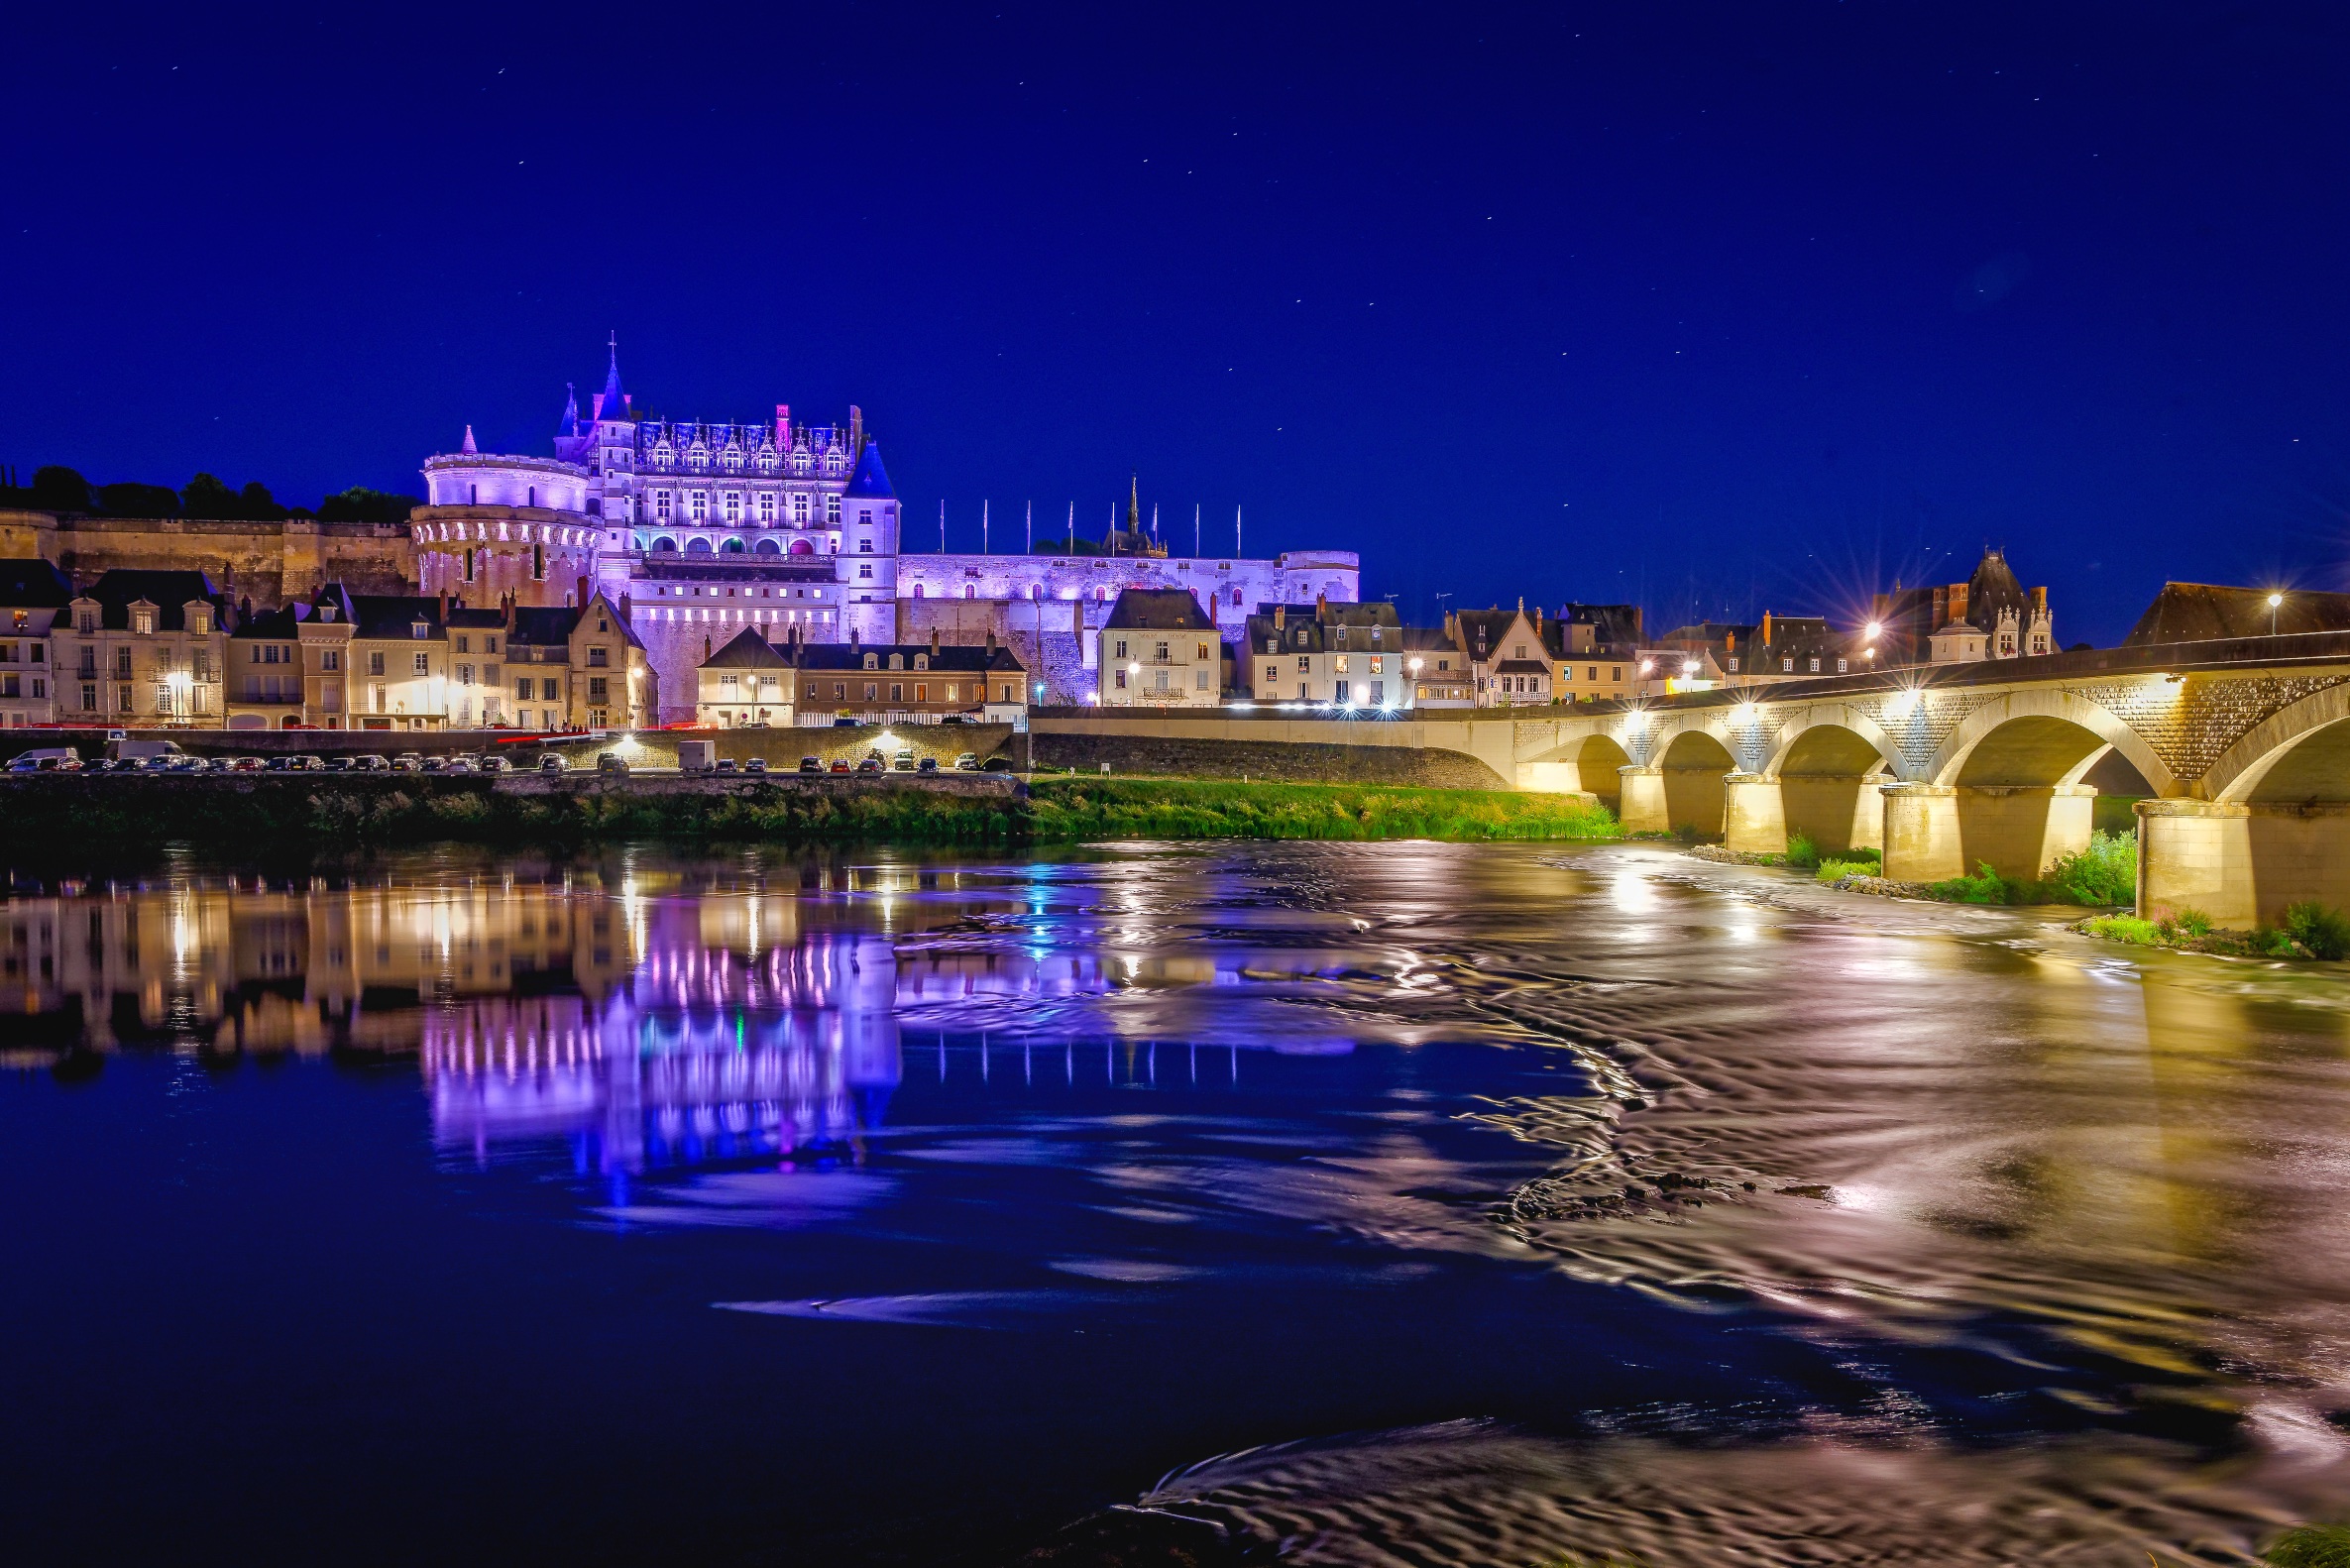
[701,528]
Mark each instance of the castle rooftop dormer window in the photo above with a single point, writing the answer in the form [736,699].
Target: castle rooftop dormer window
[897,661]
[873,661]
[921,661]
[419,628]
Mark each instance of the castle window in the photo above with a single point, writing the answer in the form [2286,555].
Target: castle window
[767,509]
[799,462]
[864,570]
[733,507]
[698,504]
[1839,666]
[800,508]
[1787,666]
[767,460]
[1815,667]
[831,511]
[865,547]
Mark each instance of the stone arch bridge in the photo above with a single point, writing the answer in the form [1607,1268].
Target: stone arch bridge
[2243,747]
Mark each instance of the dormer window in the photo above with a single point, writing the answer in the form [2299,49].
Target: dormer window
[897,661]
[419,628]
[872,662]
[921,661]
[142,621]
[200,623]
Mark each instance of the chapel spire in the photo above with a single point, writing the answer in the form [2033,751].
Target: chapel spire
[614,404]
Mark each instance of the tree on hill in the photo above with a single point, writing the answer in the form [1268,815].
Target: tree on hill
[362,504]
[206,497]
[57,488]
[139,500]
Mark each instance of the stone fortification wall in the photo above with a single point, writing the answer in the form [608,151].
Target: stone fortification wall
[267,562]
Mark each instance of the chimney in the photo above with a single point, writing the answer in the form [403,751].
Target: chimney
[934,641]
[627,608]
[783,427]
[1537,620]
[706,647]
[992,645]
[1959,601]
[856,432]
[1281,617]
[854,636]
[1321,607]
[583,581]
[444,609]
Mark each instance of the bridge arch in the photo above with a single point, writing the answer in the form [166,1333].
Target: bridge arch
[2039,736]
[1695,762]
[1830,773]
[2005,789]
[2289,777]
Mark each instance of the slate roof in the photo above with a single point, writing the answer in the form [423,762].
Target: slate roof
[283,624]
[2204,612]
[954,660]
[747,651]
[170,592]
[870,482]
[1158,609]
[34,585]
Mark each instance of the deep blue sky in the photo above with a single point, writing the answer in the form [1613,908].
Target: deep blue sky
[1722,307]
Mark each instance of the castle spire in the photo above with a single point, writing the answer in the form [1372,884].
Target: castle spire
[469,446]
[571,411]
[1134,504]
[615,402]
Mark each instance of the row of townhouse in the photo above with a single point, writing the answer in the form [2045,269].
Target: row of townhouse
[147,648]
[752,682]
[1159,649]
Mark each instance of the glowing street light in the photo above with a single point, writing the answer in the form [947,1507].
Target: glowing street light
[2275,600]
[178,682]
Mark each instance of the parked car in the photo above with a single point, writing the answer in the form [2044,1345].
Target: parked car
[996,765]
[755,765]
[843,724]
[927,765]
[373,762]
[840,766]
[408,762]
[967,763]
[811,765]
[871,764]
[340,764]
[494,764]
[612,762]
[904,762]
[726,765]
[183,764]
[247,764]
[954,718]
[310,762]
[436,764]
[552,763]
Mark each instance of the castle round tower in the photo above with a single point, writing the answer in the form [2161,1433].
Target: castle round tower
[494,524]
[867,566]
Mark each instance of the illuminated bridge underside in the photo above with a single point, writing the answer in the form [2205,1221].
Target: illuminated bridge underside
[2244,751]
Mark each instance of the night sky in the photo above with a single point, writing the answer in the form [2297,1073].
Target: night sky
[1715,307]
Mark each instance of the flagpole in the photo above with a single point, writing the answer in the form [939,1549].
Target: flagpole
[1072,527]
[982,527]
[941,526]
[1032,528]
[1194,530]
[1236,549]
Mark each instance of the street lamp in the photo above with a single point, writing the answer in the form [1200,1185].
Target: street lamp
[178,681]
[2275,600]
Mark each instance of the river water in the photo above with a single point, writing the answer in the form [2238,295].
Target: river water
[1394,1203]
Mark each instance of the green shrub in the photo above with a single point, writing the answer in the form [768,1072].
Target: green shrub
[2106,872]
[2125,928]
[2192,923]
[1801,853]
[1863,852]
[1837,870]
[1987,886]
[2322,931]
[2312,1546]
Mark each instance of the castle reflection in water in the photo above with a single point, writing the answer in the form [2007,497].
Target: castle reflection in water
[652,1020]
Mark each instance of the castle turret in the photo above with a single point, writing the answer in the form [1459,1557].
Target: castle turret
[868,567]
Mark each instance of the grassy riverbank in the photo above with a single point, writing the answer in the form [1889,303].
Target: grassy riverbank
[1081,810]
[48,818]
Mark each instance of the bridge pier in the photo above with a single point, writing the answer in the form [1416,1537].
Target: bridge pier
[2020,829]
[1642,808]
[2196,855]
[1921,841]
[1754,815]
